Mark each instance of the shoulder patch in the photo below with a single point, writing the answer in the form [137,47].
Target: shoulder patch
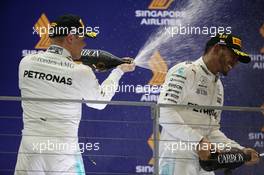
[180,71]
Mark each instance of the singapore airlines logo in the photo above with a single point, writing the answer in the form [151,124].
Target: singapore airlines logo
[159,69]
[151,145]
[149,167]
[258,59]
[261,31]
[160,4]
[42,23]
[159,13]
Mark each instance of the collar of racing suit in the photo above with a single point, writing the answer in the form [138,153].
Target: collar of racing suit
[56,49]
[203,66]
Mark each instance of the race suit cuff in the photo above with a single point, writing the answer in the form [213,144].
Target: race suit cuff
[117,73]
[238,146]
[194,137]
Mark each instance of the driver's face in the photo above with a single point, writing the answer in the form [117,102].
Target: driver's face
[228,60]
[78,44]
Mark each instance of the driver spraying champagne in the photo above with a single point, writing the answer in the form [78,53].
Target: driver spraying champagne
[54,75]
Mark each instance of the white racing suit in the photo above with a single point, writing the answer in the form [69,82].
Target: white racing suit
[182,129]
[49,143]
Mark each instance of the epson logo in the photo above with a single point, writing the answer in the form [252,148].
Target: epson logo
[90,53]
[230,158]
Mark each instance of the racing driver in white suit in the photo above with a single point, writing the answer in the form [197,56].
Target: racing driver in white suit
[189,134]
[49,143]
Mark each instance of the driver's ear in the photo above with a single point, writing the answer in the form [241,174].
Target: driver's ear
[216,48]
[69,39]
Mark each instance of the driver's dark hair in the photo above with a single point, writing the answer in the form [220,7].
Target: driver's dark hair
[207,48]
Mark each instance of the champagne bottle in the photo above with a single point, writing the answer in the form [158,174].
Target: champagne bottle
[101,60]
[225,160]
